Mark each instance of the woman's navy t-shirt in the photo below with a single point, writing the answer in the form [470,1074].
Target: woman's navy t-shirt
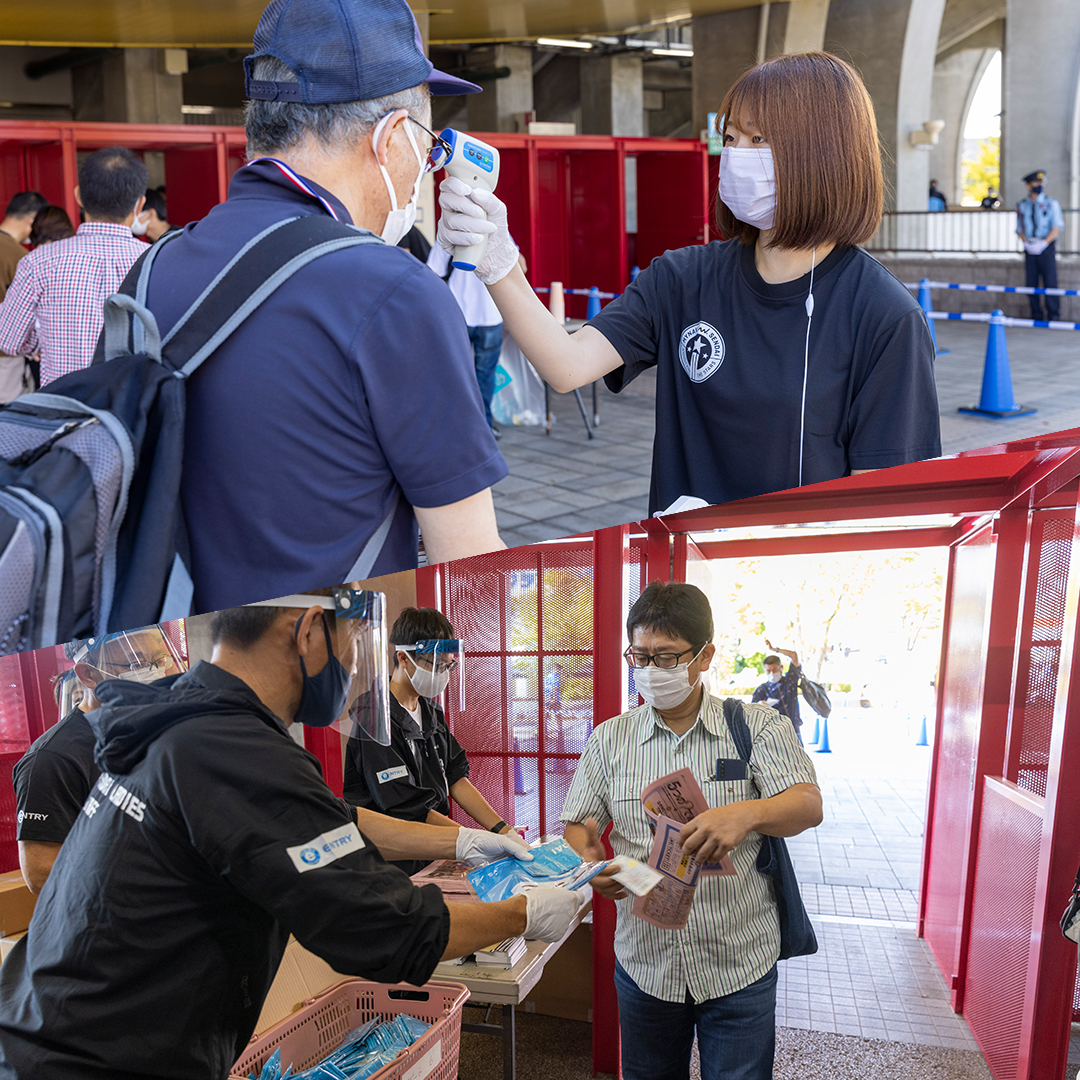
[728,348]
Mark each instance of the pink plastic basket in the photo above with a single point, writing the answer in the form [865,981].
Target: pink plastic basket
[320,1027]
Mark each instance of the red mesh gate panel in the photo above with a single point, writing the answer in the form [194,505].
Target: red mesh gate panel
[972,573]
[1040,648]
[1001,924]
[526,619]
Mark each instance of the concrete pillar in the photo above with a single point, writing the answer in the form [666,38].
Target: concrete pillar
[612,96]
[806,20]
[129,86]
[893,46]
[725,45]
[505,100]
[1041,99]
[956,78]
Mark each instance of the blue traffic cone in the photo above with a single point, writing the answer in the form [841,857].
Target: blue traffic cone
[928,305]
[922,733]
[817,730]
[594,304]
[997,389]
[823,745]
[634,271]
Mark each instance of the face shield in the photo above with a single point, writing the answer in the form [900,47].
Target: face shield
[144,655]
[439,663]
[359,620]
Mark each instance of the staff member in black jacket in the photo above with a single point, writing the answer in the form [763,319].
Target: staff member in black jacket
[53,778]
[209,837]
[424,766]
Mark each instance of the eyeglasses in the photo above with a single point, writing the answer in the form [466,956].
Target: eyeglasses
[157,663]
[439,667]
[440,151]
[637,659]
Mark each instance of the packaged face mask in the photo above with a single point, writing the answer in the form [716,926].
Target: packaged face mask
[552,859]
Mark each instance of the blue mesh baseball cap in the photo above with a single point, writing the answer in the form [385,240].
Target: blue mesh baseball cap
[344,50]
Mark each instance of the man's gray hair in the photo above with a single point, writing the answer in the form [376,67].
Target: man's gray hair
[275,126]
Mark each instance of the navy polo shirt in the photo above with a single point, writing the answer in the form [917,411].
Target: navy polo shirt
[729,352]
[350,389]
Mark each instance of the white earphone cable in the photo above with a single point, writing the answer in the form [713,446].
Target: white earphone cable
[806,362]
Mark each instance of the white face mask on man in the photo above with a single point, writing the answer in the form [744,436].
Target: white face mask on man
[427,683]
[665,688]
[400,219]
[140,223]
[748,184]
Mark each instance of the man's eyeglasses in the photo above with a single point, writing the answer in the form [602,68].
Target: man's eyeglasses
[440,151]
[439,666]
[636,658]
[158,663]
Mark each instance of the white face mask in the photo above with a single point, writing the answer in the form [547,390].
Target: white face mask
[399,221]
[665,688]
[773,676]
[429,684]
[139,225]
[748,184]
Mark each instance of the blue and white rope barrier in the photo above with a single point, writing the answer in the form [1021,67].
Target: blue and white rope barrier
[1024,290]
[985,317]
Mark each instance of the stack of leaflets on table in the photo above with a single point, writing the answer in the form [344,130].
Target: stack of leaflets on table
[505,954]
[449,875]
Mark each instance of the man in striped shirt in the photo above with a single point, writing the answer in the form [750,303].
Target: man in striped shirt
[54,303]
[718,975]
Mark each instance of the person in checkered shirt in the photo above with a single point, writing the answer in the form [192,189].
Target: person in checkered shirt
[54,303]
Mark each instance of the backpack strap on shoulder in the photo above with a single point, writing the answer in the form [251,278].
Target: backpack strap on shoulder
[735,716]
[253,275]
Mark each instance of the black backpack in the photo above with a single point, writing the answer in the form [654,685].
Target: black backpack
[92,538]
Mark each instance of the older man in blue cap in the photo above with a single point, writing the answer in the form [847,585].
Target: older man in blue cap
[344,412]
[1039,222]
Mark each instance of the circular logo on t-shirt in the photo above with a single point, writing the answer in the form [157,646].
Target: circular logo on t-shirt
[310,855]
[701,351]
[21,812]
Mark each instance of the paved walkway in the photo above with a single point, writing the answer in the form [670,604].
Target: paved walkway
[564,483]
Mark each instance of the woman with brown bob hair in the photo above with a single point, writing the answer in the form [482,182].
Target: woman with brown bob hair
[785,355]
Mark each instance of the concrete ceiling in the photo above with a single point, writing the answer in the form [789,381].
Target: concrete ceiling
[193,23]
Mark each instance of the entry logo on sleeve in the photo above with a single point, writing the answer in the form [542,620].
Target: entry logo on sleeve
[400,773]
[701,351]
[325,849]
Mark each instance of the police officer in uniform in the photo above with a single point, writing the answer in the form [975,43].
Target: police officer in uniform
[1039,222]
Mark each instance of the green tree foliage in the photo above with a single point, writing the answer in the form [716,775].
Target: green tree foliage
[984,171]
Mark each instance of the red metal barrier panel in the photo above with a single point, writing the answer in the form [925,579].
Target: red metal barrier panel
[672,199]
[944,885]
[1001,922]
[1040,649]
[526,619]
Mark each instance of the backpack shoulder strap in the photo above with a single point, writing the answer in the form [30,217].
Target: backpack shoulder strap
[264,264]
[740,730]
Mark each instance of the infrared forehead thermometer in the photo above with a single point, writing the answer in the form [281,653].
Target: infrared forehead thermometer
[477,164]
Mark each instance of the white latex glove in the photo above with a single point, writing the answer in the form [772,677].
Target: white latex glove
[479,846]
[470,214]
[549,911]
[1035,247]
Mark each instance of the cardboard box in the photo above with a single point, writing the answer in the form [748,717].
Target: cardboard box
[301,975]
[16,903]
[565,988]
